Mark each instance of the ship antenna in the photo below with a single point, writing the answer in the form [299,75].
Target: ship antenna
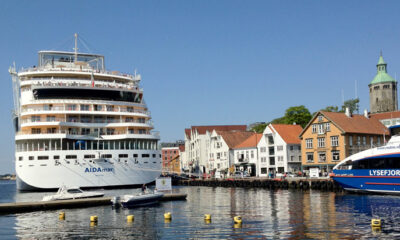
[76,47]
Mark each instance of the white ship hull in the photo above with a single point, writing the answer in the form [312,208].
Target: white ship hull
[87,173]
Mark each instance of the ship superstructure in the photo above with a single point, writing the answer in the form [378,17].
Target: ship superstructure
[78,124]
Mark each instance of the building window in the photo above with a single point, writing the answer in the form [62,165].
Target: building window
[371,139]
[358,140]
[378,138]
[252,154]
[263,159]
[321,129]
[328,127]
[320,118]
[271,160]
[263,149]
[321,142]
[334,141]
[310,157]
[335,155]
[321,157]
[309,143]
[51,118]
[218,155]
[263,170]
[279,148]
[364,139]
[314,128]
[270,140]
[350,141]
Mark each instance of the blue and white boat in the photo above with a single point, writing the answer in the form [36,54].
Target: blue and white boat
[142,199]
[373,170]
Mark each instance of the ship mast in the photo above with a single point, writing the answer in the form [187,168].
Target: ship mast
[76,47]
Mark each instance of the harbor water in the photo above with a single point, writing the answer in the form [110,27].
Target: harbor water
[266,214]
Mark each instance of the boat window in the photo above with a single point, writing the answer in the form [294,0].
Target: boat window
[56,157]
[70,156]
[377,163]
[106,155]
[145,155]
[31,157]
[74,191]
[123,155]
[89,156]
[135,155]
[154,155]
[43,157]
[20,158]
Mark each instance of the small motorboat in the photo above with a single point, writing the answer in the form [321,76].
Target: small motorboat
[67,193]
[143,199]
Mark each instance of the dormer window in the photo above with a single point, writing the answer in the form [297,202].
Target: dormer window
[320,118]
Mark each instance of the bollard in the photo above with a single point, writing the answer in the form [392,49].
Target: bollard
[61,215]
[207,217]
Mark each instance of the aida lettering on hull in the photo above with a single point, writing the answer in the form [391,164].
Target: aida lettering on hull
[99,170]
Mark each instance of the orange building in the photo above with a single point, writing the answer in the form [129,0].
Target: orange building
[330,137]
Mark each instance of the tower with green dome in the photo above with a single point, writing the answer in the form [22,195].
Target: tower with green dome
[382,90]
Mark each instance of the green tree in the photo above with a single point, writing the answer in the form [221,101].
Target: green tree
[331,109]
[352,104]
[298,114]
[259,128]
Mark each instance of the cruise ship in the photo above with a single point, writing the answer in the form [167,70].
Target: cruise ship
[78,124]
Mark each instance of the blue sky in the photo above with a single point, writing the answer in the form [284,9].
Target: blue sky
[211,62]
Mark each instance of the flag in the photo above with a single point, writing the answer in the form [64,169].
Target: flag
[92,78]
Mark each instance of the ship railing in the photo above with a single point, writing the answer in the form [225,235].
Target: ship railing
[80,83]
[93,135]
[90,109]
[75,120]
[136,77]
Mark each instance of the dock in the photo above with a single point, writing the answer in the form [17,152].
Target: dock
[18,207]
[293,183]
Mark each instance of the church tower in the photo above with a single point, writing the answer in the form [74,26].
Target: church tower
[382,90]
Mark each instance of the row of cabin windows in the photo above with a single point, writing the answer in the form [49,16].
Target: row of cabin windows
[88,156]
[86,119]
[381,163]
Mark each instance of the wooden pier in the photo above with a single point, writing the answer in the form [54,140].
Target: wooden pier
[18,207]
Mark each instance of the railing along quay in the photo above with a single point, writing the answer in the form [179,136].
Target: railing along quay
[300,184]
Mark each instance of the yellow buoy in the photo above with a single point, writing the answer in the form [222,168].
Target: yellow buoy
[93,224]
[167,215]
[61,215]
[166,220]
[207,217]
[130,218]
[237,225]
[375,222]
[93,219]
[237,219]
[376,230]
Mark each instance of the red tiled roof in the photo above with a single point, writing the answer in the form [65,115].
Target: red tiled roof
[234,138]
[251,141]
[187,132]
[204,129]
[289,133]
[386,115]
[356,123]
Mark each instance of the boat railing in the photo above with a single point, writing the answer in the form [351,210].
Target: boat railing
[90,110]
[136,77]
[92,135]
[76,120]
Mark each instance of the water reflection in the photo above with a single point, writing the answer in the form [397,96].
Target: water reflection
[266,214]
